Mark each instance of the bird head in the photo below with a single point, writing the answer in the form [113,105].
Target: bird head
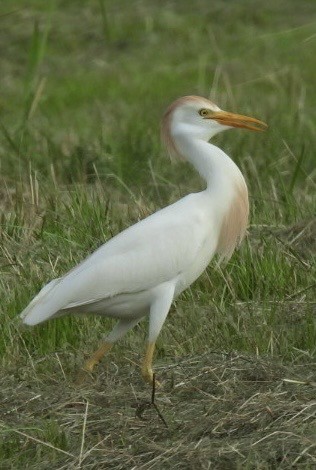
[198,117]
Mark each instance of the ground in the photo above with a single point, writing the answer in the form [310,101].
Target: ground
[217,410]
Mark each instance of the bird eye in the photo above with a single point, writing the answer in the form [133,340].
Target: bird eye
[203,112]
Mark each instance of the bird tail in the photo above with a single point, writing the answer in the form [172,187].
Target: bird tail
[44,305]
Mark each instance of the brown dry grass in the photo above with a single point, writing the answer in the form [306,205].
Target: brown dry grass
[223,411]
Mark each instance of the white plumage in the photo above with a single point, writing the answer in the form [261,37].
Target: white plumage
[141,270]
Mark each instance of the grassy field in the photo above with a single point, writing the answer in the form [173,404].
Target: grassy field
[83,86]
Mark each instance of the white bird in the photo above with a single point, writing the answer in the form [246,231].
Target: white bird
[143,269]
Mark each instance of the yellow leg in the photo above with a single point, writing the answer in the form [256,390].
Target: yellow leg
[96,357]
[146,369]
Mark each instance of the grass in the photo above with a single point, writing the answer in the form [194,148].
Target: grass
[83,89]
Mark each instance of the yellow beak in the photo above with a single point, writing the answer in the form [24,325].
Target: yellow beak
[237,120]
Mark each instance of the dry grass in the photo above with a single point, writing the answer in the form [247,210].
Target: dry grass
[223,411]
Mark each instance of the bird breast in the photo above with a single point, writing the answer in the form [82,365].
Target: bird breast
[234,222]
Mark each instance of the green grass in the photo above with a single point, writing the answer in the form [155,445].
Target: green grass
[83,88]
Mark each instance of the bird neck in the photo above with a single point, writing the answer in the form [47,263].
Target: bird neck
[214,166]
[226,189]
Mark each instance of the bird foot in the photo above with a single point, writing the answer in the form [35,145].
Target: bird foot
[90,364]
[83,376]
[85,373]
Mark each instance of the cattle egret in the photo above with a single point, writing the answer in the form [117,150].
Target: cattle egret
[143,269]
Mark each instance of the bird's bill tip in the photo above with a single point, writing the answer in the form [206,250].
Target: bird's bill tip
[238,120]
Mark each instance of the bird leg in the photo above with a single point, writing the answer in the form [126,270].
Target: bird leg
[88,366]
[118,331]
[158,312]
[96,357]
[146,367]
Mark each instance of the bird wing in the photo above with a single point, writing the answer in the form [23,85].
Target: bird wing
[155,250]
